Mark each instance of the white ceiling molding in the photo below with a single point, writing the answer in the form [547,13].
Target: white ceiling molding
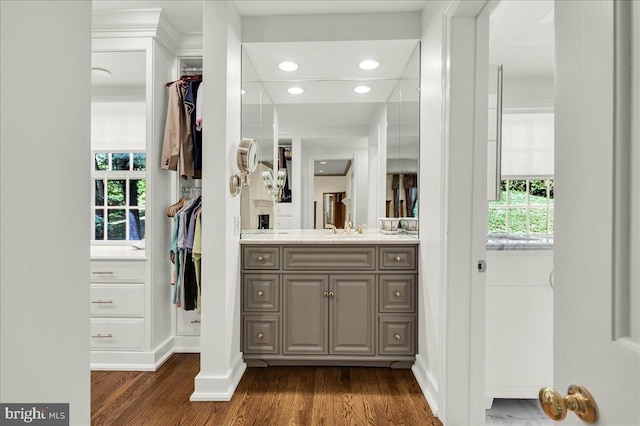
[130,23]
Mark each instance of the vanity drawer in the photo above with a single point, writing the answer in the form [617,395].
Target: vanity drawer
[117,334]
[261,292]
[335,257]
[117,300]
[397,293]
[255,257]
[261,334]
[118,271]
[397,335]
[401,257]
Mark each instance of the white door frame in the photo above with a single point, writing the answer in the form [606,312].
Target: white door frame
[465,55]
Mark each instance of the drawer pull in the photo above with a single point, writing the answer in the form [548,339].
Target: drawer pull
[102,301]
[396,294]
[260,258]
[260,293]
[102,336]
[325,294]
[397,258]
[397,336]
[331,294]
[260,336]
[195,322]
[102,273]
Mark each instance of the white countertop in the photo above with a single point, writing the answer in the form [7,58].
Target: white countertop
[320,236]
[117,253]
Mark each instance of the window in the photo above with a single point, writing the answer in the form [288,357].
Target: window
[118,196]
[525,207]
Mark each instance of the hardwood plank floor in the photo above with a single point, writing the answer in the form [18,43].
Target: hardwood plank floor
[272,396]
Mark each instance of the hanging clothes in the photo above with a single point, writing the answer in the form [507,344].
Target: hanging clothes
[186,272]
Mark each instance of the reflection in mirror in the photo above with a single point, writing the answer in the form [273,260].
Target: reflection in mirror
[118,146]
[343,131]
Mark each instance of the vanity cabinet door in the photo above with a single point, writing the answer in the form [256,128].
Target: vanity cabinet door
[352,314]
[305,308]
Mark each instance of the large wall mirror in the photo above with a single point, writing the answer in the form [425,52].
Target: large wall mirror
[338,136]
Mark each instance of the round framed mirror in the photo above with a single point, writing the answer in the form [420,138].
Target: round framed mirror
[247,157]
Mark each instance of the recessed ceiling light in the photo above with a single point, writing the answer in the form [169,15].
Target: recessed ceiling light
[362,89]
[100,72]
[288,66]
[369,64]
[295,90]
[323,162]
[320,171]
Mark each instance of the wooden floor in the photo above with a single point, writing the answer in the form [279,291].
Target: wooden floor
[274,396]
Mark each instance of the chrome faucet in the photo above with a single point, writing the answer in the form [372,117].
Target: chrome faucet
[360,228]
[332,227]
[347,228]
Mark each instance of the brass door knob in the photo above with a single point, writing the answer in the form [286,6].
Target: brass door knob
[260,293]
[397,258]
[260,336]
[325,294]
[260,258]
[396,294]
[331,294]
[578,400]
[397,336]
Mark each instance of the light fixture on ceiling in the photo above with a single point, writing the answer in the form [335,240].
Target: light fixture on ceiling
[362,89]
[369,64]
[323,162]
[320,171]
[288,66]
[100,72]
[295,90]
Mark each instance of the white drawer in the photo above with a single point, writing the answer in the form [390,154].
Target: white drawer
[187,323]
[284,209]
[118,271]
[117,300]
[117,334]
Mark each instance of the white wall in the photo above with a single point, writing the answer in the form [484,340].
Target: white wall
[45,133]
[427,368]
[221,364]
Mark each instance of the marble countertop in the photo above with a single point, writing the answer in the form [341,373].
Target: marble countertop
[518,242]
[117,253]
[296,236]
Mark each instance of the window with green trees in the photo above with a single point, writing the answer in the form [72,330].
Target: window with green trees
[118,196]
[525,207]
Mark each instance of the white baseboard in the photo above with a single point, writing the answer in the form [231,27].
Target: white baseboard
[219,388]
[186,344]
[427,383]
[132,361]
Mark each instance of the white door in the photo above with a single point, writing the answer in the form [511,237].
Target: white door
[597,240]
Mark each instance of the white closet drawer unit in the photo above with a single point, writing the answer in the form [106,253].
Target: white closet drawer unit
[117,334]
[187,323]
[117,300]
[118,271]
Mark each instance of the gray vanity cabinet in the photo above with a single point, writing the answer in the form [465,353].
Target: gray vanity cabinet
[329,304]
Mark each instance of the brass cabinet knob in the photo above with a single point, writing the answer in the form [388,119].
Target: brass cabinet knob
[396,294]
[578,400]
[331,294]
[325,294]
[260,336]
[260,293]
[260,258]
[397,258]
[397,336]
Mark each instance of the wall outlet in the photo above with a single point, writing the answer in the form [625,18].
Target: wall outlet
[236,225]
